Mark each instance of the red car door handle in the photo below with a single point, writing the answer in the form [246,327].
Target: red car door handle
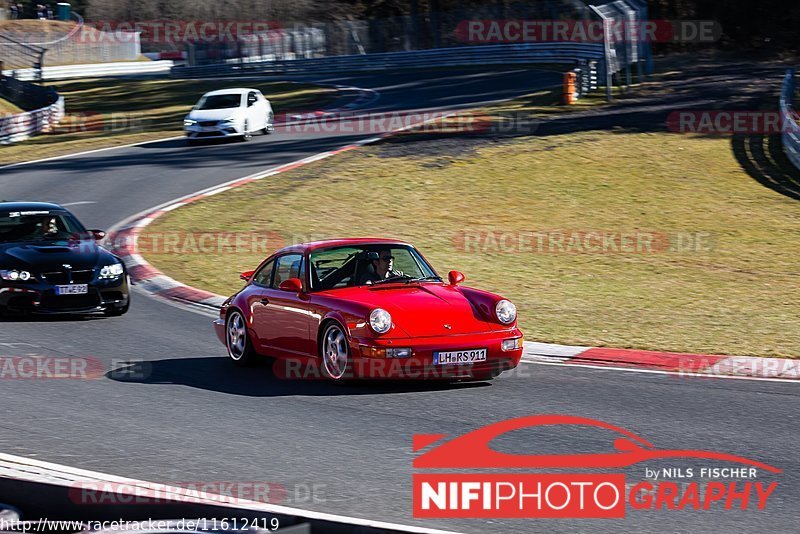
[265,301]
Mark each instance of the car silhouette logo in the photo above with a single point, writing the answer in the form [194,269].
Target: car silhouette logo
[472,450]
[66,265]
[448,326]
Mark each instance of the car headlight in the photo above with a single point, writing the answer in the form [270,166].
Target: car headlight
[506,311]
[189,122]
[380,320]
[14,275]
[111,271]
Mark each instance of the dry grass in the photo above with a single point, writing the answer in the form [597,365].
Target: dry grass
[731,292]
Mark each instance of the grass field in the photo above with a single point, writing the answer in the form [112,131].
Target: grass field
[109,112]
[7,107]
[720,275]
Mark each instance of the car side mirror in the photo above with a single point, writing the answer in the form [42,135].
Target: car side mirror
[246,276]
[98,235]
[455,277]
[294,285]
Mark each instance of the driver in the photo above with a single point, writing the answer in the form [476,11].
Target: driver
[381,269]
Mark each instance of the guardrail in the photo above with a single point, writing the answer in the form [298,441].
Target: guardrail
[48,110]
[94,69]
[791,128]
[506,54]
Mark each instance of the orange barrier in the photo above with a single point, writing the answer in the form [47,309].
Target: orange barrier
[570,96]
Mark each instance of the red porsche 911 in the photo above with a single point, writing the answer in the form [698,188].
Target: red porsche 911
[368,308]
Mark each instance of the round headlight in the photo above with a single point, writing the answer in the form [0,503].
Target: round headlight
[506,311]
[380,321]
[13,275]
[24,276]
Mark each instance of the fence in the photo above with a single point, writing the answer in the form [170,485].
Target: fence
[531,53]
[433,39]
[81,44]
[791,128]
[46,104]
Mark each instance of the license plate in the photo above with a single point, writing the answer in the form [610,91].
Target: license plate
[209,129]
[74,289]
[455,357]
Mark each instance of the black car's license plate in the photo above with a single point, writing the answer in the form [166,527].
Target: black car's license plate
[72,289]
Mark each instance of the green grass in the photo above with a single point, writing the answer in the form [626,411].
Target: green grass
[7,107]
[109,112]
[734,293]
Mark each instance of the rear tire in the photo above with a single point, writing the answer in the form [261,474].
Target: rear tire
[270,127]
[237,340]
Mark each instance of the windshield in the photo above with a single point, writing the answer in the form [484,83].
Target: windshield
[16,227]
[231,100]
[367,265]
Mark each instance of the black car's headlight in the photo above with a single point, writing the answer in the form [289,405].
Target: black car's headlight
[16,276]
[111,271]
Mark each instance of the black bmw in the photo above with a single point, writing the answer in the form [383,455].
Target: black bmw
[49,263]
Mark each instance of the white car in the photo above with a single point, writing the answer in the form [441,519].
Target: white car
[229,113]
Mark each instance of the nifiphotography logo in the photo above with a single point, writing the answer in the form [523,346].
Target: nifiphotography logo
[723,482]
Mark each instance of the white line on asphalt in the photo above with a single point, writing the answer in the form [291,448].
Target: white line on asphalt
[80,203]
[658,371]
[20,467]
[74,154]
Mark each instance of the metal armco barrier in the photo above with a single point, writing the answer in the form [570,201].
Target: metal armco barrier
[513,54]
[791,128]
[48,110]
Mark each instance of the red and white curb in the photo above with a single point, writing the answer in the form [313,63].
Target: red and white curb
[676,363]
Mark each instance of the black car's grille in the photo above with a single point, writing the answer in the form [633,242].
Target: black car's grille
[70,302]
[207,123]
[69,277]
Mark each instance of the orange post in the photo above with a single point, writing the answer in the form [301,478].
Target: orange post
[569,87]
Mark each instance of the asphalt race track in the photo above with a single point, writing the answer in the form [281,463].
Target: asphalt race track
[191,416]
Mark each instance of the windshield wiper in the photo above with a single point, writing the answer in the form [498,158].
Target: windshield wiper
[425,279]
[396,278]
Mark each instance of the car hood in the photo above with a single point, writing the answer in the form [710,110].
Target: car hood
[213,114]
[52,255]
[423,310]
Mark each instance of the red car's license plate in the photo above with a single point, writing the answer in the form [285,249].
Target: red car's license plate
[455,357]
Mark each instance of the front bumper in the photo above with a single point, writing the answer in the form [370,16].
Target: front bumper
[41,298]
[420,365]
[217,131]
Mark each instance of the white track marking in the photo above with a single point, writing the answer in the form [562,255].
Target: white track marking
[21,468]
[658,372]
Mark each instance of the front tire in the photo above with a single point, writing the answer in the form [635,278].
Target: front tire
[335,353]
[246,134]
[237,340]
